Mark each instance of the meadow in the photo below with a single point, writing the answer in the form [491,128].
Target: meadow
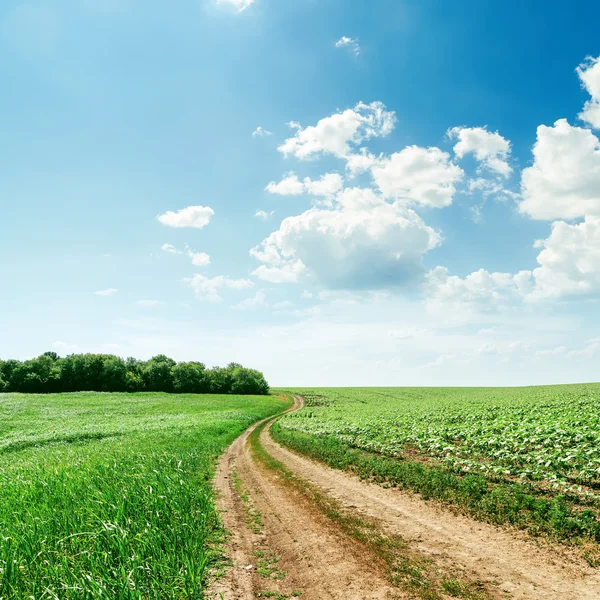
[529,457]
[108,495]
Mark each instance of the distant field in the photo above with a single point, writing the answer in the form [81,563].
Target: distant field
[108,495]
[527,456]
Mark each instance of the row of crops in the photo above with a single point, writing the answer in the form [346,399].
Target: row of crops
[547,433]
[525,456]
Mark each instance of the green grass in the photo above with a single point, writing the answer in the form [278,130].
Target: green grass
[109,496]
[525,456]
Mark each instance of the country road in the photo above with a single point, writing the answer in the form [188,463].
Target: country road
[283,543]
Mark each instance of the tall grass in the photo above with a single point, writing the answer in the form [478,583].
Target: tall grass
[126,513]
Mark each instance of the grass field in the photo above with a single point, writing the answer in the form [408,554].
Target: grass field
[109,496]
[525,456]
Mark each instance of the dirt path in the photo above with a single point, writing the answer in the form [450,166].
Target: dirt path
[317,561]
[322,564]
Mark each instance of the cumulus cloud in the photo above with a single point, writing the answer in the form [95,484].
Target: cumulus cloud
[569,266]
[207,288]
[363,241]
[337,133]
[264,215]
[290,185]
[239,5]
[327,186]
[589,74]
[418,175]
[287,272]
[360,162]
[199,259]
[564,179]
[192,216]
[569,261]
[261,132]
[489,148]
[478,292]
[348,42]
[107,292]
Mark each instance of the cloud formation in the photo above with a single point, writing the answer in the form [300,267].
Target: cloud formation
[192,216]
[348,42]
[489,148]
[207,288]
[336,134]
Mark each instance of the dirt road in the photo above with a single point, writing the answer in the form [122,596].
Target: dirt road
[283,544]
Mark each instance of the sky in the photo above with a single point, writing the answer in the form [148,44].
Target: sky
[335,192]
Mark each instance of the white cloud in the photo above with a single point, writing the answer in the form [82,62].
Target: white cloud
[418,175]
[288,272]
[360,163]
[192,216]
[564,180]
[485,187]
[335,134]
[290,185]
[347,42]
[199,259]
[569,266]
[264,215]
[306,295]
[589,74]
[239,5]
[363,242]
[327,186]
[259,300]
[107,292]
[569,261]
[149,303]
[170,249]
[261,132]
[207,288]
[479,292]
[490,148]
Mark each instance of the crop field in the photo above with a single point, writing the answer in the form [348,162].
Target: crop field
[527,456]
[109,496]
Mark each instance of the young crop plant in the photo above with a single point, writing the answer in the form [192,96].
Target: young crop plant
[525,456]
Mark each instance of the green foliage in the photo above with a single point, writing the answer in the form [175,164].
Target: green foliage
[528,456]
[50,373]
[109,496]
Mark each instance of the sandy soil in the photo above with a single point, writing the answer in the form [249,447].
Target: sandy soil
[320,563]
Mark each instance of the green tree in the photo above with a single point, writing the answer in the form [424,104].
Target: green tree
[190,378]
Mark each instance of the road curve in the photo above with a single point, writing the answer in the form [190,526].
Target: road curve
[322,564]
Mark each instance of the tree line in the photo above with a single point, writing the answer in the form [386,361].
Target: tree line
[49,373]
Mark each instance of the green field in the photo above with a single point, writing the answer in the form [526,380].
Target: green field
[108,495]
[526,456]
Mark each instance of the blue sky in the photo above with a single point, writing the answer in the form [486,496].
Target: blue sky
[373,192]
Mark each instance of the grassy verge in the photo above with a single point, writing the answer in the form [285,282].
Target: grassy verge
[520,505]
[109,495]
[417,575]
